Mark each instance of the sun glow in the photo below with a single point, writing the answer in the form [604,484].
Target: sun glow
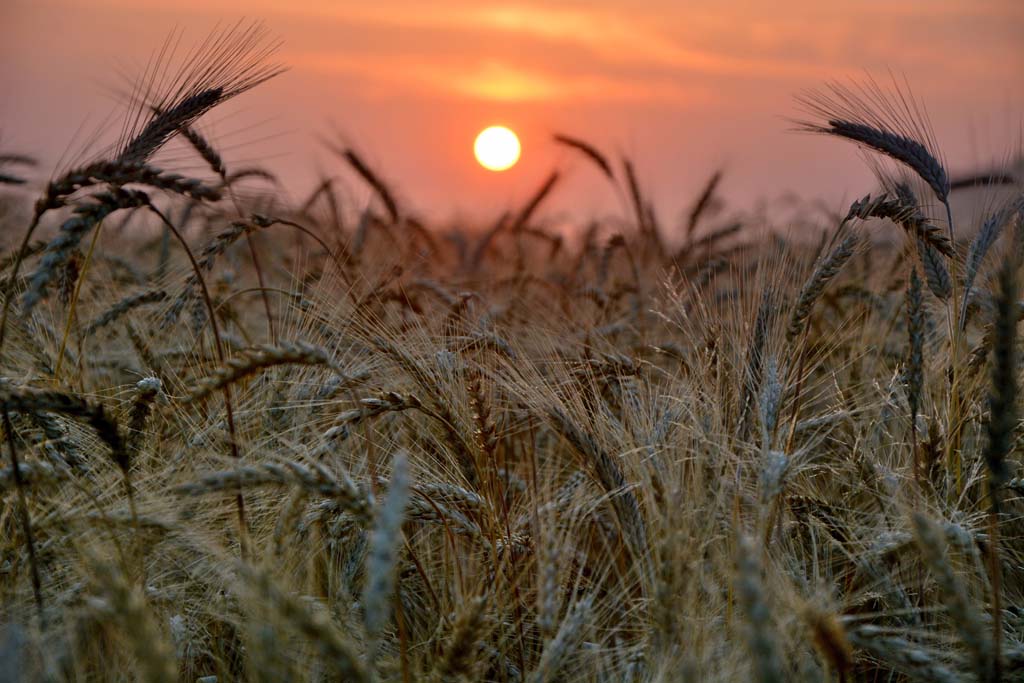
[496,148]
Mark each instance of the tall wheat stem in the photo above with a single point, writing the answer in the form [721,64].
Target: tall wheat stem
[953,458]
[243,526]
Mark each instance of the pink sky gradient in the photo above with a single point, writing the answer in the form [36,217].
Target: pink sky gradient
[682,88]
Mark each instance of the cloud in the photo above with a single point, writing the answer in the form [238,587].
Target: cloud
[496,80]
[619,37]
[799,40]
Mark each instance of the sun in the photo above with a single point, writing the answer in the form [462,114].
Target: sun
[496,148]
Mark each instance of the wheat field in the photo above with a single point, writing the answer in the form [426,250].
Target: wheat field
[248,438]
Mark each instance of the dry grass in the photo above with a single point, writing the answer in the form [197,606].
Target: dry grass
[391,453]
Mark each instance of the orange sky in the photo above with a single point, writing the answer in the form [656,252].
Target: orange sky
[682,88]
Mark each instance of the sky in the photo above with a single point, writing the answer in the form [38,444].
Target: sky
[681,88]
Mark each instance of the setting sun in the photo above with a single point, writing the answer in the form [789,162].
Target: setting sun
[496,148]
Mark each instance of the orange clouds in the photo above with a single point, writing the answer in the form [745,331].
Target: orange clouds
[496,81]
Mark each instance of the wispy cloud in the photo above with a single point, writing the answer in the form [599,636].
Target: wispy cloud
[625,34]
[516,49]
[496,80]
[618,37]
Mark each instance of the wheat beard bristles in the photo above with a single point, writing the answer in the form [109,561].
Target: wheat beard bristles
[890,123]
[166,124]
[225,64]
[901,148]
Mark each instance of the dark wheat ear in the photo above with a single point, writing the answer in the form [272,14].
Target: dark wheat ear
[530,208]
[589,151]
[372,179]
[891,124]
[703,203]
[227,63]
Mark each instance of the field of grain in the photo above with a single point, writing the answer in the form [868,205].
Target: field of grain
[252,439]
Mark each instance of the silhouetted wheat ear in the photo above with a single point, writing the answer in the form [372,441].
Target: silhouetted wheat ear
[526,213]
[890,123]
[121,173]
[374,181]
[167,123]
[643,222]
[702,204]
[226,64]
[910,152]
[588,151]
